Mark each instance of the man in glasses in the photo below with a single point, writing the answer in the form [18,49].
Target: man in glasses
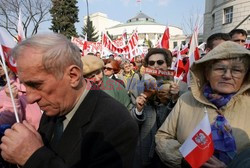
[239,36]
[93,71]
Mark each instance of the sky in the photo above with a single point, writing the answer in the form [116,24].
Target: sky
[169,12]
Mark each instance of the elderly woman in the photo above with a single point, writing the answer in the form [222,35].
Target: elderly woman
[220,83]
[111,69]
[152,106]
[130,79]
[93,71]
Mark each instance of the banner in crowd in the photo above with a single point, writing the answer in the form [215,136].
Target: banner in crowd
[131,44]
[117,46]
[158,72]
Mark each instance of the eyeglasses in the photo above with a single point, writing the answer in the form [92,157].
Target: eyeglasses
[93,74]
[108,68]
[159,62]
[243,41]
[236,72]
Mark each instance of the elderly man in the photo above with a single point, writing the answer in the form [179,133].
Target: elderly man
[93,72]
[79,127]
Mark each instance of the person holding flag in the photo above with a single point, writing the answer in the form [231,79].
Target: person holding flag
[220,87]
[80,126]
[157,96]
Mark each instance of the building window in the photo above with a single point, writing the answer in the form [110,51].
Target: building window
[228,15]
[175,44]
[213,21]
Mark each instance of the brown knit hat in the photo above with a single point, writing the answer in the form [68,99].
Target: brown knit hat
[91,64]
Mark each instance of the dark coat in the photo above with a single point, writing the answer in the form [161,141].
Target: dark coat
[100,134]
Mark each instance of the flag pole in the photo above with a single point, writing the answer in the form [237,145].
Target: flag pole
[140,6]
[102,45]
[8,82]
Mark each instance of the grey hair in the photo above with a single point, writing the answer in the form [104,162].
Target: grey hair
[58,52]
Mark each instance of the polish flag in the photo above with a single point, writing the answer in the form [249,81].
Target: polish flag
[198,147]
[7,43]
[124,37]
[20,36]
[85,45]
[184,49]
[193,55]
[165,39]
[247,45]
[179,66]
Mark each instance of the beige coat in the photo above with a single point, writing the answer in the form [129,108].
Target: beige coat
[189,109]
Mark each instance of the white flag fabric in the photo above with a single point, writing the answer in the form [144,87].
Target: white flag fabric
[20,36]
[7,43]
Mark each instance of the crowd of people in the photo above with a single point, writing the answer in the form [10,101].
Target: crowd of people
[85,111]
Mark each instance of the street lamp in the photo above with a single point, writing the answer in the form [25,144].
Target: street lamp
[87,7]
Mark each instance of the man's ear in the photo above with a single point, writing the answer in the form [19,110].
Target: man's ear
[75,75]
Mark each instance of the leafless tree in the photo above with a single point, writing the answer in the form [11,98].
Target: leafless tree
[34,12]
[192,20]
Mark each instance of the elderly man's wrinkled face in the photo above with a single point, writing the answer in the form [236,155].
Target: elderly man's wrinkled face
[95,77]
[226,76]
[54,96]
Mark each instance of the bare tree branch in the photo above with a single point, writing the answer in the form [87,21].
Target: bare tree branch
[194,19]
[34,12]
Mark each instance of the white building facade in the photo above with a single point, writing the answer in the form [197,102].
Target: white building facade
[222,16]
[101,22]
[146,27]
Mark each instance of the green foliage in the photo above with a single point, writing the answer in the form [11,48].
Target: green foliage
[89,29]
[64,16]
[148,43]
[110,36]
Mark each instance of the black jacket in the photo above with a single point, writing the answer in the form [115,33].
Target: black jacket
[100,134]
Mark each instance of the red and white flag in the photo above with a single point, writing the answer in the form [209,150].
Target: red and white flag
[7,43]
[85,45]
[20,36]
[184,49]
[124,37]
[179,66]
[193,55]
[165,39]
[198,147]
[247,45]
